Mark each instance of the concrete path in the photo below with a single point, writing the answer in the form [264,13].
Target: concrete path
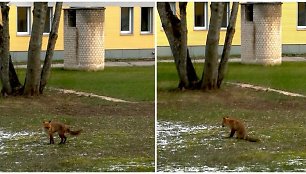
[260,88]
[85,94]
[108,64]
[285,59]
[152,63]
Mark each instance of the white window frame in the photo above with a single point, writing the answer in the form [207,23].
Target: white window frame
[205,17]
[151,21]
[50,20]
[28,21]
[131,21]
[297,17]
[228,11]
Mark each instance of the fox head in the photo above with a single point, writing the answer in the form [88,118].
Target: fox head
[225,120]
[46,124]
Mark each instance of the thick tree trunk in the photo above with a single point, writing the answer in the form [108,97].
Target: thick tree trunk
[32,80]
[210,73]
[182,58]
[191,73]
[50,48]
[14,80]
[227,43]
[5,50]
[176,32]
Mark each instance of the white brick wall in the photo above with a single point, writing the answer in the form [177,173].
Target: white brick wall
[84,44]
[261,39]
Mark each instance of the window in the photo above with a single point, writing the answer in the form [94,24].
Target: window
[48,22]
[226,15]
[249,12]
[200,15]
[23,20]
[301,14]
[146,19]
[71,18]
[126,20]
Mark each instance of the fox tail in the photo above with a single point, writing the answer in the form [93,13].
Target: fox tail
[252,139]
[74,132]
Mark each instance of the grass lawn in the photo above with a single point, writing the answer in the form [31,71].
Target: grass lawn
[128,83]
[115,137]
[190,136]
[290,76]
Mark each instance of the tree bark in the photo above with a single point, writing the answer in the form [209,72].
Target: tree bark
[32,80]
[210,73]
[50,48]
[176,32]
[14,80]
[5,50]
[227,43]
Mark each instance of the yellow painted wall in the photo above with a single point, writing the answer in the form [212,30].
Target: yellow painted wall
[290,33]
[196,37]
[21,43]
[113,38]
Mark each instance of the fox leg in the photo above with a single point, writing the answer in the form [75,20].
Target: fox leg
[63,138]
[51,139]
[232,133]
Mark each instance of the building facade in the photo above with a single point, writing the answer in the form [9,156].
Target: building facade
[293,29]
[129,29]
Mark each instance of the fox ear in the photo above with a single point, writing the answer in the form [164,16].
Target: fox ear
[50,121]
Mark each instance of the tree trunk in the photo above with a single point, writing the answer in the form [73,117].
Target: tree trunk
[14,81]
[176,32]
[5,50]
[210,73]
[50,48]
[32,80]
[191,73]
[227,43]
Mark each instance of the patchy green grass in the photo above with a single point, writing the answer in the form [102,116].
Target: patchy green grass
[289,76]
[128,83]
[190,136]
[115,137]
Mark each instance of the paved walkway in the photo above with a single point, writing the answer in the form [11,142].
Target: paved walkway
[108,64]
[152,63]
[285,59]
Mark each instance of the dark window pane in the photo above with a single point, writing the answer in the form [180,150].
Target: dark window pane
[199,14]
[301,14]
[146,19]
[125,19]
[22,19]
[71,18]
[249,12]
[225,15]
[48,20]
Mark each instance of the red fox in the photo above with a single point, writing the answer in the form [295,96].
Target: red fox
[52,126]
[237,126]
